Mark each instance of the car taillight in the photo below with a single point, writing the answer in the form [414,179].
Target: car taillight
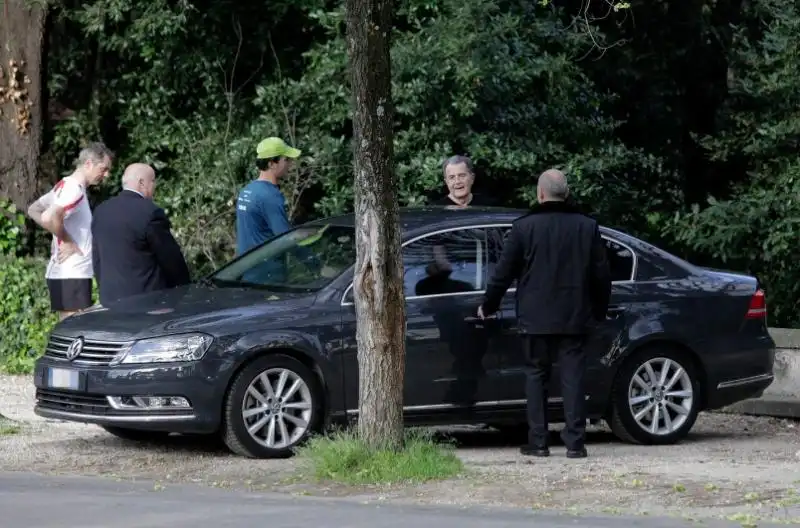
[758,306]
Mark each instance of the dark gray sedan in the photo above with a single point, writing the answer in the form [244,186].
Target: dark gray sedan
[263,351]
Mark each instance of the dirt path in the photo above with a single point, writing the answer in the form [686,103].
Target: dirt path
[740,468]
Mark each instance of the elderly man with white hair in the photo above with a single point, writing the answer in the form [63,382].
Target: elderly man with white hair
[134,251]
[563,289]
[459,177]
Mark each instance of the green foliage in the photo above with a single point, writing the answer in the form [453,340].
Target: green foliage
[343,457]
[647,118]
[170,86]
[25,316]
[12,223]
[8,427]
[756,230]
[497,82]
[694,100]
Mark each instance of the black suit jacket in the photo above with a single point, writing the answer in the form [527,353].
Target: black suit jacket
[560,262]
[133,250]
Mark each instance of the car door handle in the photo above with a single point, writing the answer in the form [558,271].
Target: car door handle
[614,312]
[476,319]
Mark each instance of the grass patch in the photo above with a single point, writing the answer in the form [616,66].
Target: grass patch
[342,457]
[7,427]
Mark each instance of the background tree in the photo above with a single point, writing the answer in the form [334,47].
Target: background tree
[378,283]
[22,32]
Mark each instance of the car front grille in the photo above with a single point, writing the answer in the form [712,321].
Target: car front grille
[72,402]
[93,353]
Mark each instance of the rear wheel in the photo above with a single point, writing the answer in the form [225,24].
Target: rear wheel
[273,405]
[656,397]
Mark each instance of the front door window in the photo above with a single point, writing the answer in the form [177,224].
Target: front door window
[446,346]
[445,263]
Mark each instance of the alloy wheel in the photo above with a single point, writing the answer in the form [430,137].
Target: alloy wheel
[660,396]
[277,408]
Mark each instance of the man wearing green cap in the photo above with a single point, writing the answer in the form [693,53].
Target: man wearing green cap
[261,207]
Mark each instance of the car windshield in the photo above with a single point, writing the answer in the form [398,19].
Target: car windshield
[304,259]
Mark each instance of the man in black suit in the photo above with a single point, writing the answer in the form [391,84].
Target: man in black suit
[564,288]
[133,248]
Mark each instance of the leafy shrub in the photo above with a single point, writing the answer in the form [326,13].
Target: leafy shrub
[755,229]
[25,316]
[11,223]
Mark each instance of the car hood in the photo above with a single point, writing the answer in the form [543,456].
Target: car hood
[187,308]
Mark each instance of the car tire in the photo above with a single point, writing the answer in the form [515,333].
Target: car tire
[278,416]
[136,435]
[634,407]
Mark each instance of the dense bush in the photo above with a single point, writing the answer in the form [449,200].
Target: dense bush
[25,316]
[649,119]
[755,229]
[499,82]
[12,223]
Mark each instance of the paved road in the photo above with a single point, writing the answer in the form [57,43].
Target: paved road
[30,500]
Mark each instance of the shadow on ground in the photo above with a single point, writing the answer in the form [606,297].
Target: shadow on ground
[463,437]
[512,437]
[175,443]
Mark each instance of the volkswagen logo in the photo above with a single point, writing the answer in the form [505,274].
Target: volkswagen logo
[75,349]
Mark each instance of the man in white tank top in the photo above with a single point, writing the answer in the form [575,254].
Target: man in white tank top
[65,212]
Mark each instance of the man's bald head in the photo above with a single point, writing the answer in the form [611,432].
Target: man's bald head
[552,186]
[141,178]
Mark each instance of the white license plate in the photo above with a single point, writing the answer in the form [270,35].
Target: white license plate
[63,379]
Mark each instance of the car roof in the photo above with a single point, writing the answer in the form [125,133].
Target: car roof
[417,220]
[430,217]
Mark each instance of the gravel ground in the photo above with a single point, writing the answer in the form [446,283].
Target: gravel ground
[741,468]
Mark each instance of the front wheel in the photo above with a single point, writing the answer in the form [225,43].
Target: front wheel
[273,405]
[655,398]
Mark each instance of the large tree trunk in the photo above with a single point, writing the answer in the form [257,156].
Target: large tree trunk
[22,29]
[378,288]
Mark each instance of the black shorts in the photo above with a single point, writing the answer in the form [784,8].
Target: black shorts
[70,295]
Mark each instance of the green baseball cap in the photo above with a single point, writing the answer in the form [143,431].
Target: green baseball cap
[273,147]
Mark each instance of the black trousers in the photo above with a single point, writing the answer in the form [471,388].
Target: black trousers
[541,352]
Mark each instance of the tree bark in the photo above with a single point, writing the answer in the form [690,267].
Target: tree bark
[22,32]
[378,283]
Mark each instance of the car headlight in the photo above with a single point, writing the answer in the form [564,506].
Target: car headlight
[183,347]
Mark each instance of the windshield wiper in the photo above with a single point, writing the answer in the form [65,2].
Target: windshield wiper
[213,283]
[206,281]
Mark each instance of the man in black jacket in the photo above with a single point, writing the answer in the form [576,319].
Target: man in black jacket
[133,248]
[564,287]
